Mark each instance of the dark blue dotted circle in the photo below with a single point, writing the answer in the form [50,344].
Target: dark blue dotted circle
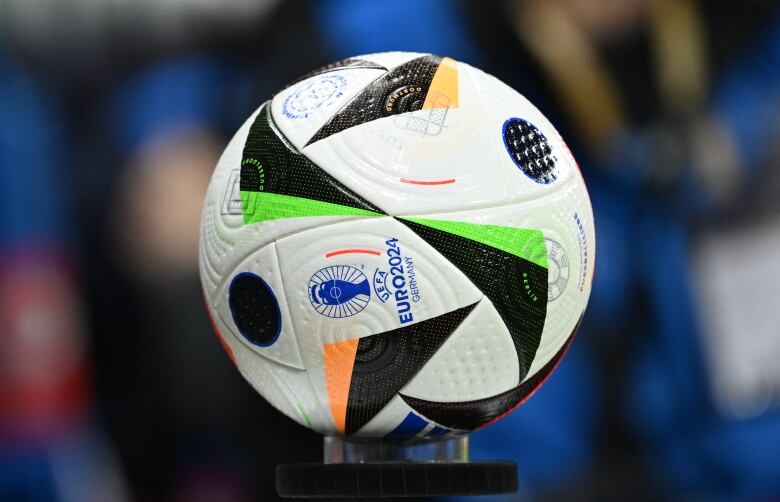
[255,309]
[529,150]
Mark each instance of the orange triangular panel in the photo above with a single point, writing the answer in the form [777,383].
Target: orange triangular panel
[339,359]
[443,92]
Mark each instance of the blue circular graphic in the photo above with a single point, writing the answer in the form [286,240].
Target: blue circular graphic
[530,151]
[321,92]
[255,309]
[339,291]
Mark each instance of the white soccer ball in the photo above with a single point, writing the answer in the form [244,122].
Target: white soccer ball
[396,245]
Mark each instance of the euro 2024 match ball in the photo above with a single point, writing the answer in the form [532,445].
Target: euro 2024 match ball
[396,246]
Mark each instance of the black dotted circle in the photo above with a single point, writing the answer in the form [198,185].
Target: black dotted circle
[255,309]
[530,150]
[375,353]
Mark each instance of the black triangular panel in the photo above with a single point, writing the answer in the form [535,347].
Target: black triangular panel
[385,362]
[344,64]
[403,89]
[470,415]
[508,281]
[286,171]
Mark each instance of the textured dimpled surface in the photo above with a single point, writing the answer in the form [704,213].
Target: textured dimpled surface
[374,385]
[478,360]
[458,208]
[517,287]
[286,171]
[469,415]
[401,90]
[530,150]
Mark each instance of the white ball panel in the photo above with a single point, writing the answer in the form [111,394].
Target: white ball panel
[442,287]
[477,361]
[567,243]
[556,215]
[302,109]
[424,161]
[217,242]
[264,263]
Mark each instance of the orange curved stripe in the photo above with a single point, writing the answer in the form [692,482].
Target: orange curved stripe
[339,359]
[421,182]
[348,251]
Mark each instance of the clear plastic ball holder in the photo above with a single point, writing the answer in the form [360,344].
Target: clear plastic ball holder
[354,468]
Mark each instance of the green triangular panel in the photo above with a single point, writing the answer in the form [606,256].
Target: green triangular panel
[516,286]
[521,242]
[278,181]
[264,206]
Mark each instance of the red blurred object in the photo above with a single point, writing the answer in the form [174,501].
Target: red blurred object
[44,378]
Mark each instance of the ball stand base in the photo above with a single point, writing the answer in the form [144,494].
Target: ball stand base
[380,469]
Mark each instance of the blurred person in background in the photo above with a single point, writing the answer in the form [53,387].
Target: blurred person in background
[51,447]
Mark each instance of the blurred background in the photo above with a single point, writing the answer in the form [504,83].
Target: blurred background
[113,114]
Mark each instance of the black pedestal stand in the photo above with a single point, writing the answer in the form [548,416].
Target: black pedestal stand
[381,469]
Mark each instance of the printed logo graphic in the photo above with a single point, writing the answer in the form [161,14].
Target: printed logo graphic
[558,269]
[583,249]
[399,284]
[339,291]
[423,122]
[231,202]
[321,92]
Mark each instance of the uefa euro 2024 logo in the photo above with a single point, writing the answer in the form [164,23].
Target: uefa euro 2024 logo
[339,291]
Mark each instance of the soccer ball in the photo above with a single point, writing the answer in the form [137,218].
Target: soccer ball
[396,245]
